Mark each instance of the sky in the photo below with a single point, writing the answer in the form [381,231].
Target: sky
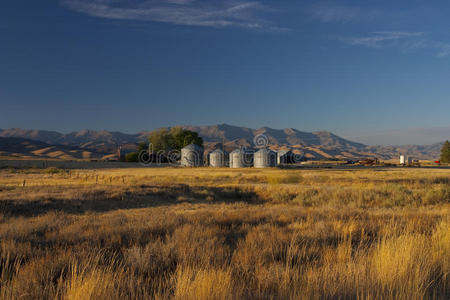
[370,70]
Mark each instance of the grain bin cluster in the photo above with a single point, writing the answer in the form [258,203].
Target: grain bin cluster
[192,156]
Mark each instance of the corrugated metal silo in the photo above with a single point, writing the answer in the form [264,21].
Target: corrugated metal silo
[265,158]
[218,158]
[241,158]
[192,156]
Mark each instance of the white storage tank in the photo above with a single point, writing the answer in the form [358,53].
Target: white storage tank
[218,158]
[265,158]
[241,158]
[402,160]
[192,156]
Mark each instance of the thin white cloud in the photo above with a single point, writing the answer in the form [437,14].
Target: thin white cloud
[404,41]
[339,13]
[388,38]
[212,13]
[328,12]
[444,49]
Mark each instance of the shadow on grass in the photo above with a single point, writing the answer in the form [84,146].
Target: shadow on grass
[103,200]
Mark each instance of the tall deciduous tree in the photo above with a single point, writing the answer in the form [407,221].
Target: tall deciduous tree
[160,140]
[142,147]
[182,137]
[174,139]
[445,152]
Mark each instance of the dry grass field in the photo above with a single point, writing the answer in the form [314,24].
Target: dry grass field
[173,233]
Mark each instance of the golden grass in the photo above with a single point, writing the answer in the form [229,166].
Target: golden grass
[207,284]
[224,234]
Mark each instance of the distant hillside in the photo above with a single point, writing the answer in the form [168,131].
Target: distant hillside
[417,151]
[287,137]
[49,137]
[26,148]
[88,136]
[95,141]
[315,145]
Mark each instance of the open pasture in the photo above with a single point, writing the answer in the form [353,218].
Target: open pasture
[164,233]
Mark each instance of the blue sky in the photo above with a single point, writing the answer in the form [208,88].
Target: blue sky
[350,67]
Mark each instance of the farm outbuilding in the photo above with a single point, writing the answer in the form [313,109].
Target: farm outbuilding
[406,160]
[192,156]
[288,157]
[241,158]
[285,157]
[265,158]
[218,158]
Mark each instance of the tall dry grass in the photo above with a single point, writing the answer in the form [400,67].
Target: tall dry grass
[241,234]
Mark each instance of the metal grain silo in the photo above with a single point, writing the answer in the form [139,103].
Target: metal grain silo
[241,158]
[192,156]
[265,158]
[218,158]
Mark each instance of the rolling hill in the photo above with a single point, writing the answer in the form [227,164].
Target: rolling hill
[286,137]
[26,148]
[315,145]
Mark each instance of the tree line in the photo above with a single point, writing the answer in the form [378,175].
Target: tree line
[165,140]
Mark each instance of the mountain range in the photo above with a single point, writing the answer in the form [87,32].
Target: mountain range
[26,148]
[102,144]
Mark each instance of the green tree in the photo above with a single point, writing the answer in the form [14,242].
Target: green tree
[445,152]
[180,138]
[175,139]
[144,156]
[160,140]
[132,157]
[142,147]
